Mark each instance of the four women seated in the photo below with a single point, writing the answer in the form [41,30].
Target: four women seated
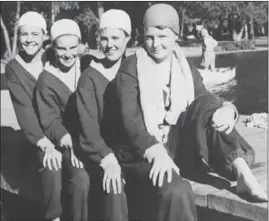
[121,126]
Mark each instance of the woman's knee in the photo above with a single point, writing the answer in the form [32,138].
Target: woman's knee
[81,181]
[178,189]
[112,191]
[51,187]
[204,104]
[52,178]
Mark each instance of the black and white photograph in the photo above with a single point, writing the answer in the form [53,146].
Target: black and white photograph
[134,110]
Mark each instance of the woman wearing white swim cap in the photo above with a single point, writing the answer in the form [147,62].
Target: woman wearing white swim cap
[22,74]
[55,101]
[100,131]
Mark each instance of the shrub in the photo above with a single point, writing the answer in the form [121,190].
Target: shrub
[246,44]
[234,46]
[229,47]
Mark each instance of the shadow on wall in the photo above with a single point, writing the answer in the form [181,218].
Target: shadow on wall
[17,173]
[250,92]
[16,208]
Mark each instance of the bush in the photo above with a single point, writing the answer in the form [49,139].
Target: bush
[235,46]
[246,44]
[228,47]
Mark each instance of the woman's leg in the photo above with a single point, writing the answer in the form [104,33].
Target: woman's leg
[116,205]
[220,150]
[103,206]
[175,200]
[246,182]
[51,187]
[206,60]
[76,183]
[213,61]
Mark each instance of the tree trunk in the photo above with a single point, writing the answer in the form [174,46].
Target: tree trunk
[15,36]
[6,36]
[238,36]
[182,23]
[252,34]
[100,11]
[52,13]
[100,8]
[246,32]
[251,7]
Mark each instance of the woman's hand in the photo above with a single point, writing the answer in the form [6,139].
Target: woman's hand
[66,141]
[112,177]
[224,119]
[112,174]
[52,158]
[161,165]
[44,142]
[75,161]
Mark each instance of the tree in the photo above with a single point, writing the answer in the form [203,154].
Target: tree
[56,6]
[11,51]
[6,36]
[87,14]
[88,23]
[100,8]
[15,35]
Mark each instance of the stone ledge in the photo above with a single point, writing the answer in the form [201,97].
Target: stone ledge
[216,194]
[224,201]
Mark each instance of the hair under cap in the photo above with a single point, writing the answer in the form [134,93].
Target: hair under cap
[115,18]
[33,19]
[162,15]
[64,27]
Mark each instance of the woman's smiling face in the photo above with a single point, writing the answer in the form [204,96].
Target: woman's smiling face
[113,42]
[159,43]
[67,50]
[31,39]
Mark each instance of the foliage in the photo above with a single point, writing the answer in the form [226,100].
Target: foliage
[246,44]
[231,46]
[88,23]
[235,46]
[11,51]
[213,10]
[79,11]
[211,14]
[86,14]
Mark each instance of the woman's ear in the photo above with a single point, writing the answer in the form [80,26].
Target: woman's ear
[176,36]
[47,37]
[127,39]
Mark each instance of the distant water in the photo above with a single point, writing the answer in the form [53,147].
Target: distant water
[249,89]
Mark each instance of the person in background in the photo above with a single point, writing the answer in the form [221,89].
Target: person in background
[208,50]
[56,107]
[168,114]
[98,110]
[224,31]
[22,73]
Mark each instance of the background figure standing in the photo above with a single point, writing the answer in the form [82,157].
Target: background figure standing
[208,50]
